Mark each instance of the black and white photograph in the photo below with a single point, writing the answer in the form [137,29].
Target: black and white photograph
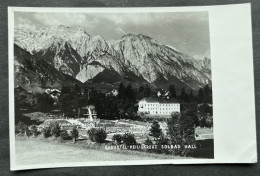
[103,86]
[112,86]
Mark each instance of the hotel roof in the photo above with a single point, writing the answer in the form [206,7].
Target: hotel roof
[159,100]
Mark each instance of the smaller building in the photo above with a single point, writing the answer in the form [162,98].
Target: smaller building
[156,106]
[113,92]
[163,94]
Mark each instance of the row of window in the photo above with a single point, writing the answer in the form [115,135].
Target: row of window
[159,112]
[163,108]
[161,104]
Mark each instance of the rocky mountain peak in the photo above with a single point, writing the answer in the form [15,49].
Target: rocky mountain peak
[135,58]
[137,37]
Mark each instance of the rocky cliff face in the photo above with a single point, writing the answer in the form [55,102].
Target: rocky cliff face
[136,59]
[35,74]
[153,61]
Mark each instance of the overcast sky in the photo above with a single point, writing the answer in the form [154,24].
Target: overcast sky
[188,32]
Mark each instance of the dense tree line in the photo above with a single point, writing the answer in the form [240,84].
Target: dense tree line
[32,101]
[205,95]
[124,105]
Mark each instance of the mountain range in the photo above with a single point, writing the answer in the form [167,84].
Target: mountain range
[53,56]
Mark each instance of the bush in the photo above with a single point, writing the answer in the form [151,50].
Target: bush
[64,135]
[141,114]
[97,135]
[129,139]
[34,130]
[100,135]
[46,132]
[21,127]
[205,108]
[162,141]
[205,121]
[148,142]
[28,133]
[74,134]
[91,134]
[117,138]
[209,121]
[55,130]
[188,140]
[155,130]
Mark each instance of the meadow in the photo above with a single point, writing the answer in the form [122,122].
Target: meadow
[42,151]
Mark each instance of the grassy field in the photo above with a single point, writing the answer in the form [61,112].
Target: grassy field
[203,130]
[42,151]
[205,133]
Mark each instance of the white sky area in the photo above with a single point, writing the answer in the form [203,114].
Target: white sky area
[188,32]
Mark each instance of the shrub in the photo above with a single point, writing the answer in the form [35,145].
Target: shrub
[100,135]
[209,121]
[28,133]
[64,135]
[91,134]
[97,135]
[141,114]
[34,130]
[162,140]
[46,132]
[117,138]
[21,127]
[148,142]
[74,134]
[188,140]
[55,130]
[129,139]
[205,108]
[155,130]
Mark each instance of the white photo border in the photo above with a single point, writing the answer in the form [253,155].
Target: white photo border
[232,84]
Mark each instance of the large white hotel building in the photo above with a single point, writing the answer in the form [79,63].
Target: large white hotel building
[155,106]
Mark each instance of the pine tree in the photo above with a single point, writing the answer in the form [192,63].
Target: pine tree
[76,89]
[121,91]
[191,96]
[201,97]
[208,94]
[184,96]
[147,91]
[181,131]
[140,93]
[130,93]
[141,89]
[172,91]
